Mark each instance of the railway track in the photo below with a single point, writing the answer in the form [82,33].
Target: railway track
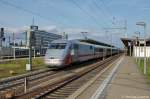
[12,83]
[16,84]
[70,87]
[64,84]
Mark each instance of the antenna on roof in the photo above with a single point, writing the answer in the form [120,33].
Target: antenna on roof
[33,21]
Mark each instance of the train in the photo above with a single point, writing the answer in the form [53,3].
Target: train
[62,53]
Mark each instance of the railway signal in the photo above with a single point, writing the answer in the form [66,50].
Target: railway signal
[2,38]
[2,33]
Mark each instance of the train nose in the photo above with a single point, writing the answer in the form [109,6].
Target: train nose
[54,62]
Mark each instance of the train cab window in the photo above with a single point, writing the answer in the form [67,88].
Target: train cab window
[57,46]
[76,46]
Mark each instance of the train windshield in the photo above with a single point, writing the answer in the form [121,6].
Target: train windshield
[57,46]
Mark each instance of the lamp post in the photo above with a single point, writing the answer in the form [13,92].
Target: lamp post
[14,49]
[144,25]
[138,42]
[135,47]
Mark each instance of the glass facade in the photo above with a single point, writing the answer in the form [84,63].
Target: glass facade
[43,38]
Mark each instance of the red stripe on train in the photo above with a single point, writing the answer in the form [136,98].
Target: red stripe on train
[68,59]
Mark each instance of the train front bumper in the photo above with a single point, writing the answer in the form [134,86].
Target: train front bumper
[54,62]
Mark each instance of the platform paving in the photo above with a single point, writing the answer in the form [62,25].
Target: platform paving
[128,82]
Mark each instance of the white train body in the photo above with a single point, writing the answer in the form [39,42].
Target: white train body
[65,52]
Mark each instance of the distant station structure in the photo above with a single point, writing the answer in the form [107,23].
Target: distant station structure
[41,39]
[135,46]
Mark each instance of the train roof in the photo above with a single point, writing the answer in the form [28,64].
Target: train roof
[79,41]
[96,42]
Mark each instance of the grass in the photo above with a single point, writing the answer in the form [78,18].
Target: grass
[141,67]
[18,66]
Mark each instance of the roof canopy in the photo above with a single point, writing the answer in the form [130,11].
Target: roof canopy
[126,41]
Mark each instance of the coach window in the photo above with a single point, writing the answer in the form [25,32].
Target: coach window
[91,47]
[100,50]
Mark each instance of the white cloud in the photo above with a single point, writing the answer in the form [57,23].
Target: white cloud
[52,28]
[15,30]
[24,28]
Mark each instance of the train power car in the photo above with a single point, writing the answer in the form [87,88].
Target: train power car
[65,52]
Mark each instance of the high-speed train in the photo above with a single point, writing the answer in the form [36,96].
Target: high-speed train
[65,52]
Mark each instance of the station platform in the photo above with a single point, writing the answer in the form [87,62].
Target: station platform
[122,81]
[129,82]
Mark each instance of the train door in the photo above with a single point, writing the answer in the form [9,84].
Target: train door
[75,52]
[104,53]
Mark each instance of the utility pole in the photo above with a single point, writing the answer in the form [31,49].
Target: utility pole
[14,49]
[119,28]
[110,40]
[111,45]
[138,46]
[9,41]
[139,51]
[125,28]
[145,67]
[9,48]
[65,36]
[84,35]
[29,45]
[30,50]
[135,38]
[0,47]
[2,38]
[144,25]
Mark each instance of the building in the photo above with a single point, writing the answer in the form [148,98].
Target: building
[41,37]
[135,46]
[41,40]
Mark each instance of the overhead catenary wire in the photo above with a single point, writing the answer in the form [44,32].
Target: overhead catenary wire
[38,14]
[58,12]
[47,18]
[84,11]
[102,11]
[106,7]
[25,10]
[96,15]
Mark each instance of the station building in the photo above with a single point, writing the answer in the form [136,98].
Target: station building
[135,46]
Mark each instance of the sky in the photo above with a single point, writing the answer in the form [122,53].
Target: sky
[76,16]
